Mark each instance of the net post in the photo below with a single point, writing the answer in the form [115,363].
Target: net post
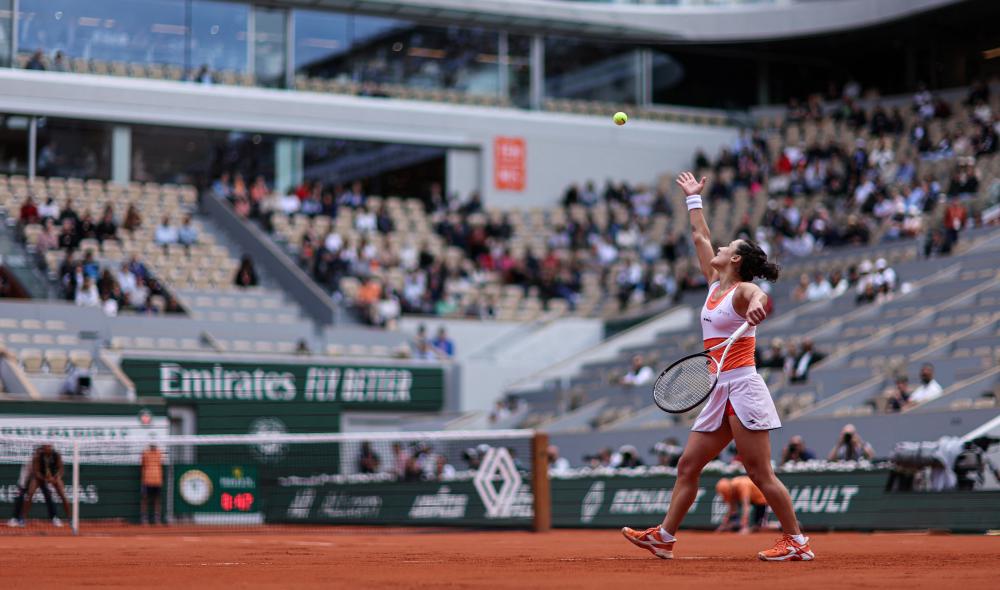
[75,519]
[540,482]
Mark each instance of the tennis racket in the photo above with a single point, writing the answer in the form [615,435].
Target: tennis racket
[686,383]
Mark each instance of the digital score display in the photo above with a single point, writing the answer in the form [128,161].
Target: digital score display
[242,502]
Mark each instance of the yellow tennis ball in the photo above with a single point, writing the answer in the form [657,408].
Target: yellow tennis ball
[620,118]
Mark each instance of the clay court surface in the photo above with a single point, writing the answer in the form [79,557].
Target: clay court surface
[399,558]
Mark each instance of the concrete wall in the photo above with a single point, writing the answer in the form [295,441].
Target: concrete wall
[559,148]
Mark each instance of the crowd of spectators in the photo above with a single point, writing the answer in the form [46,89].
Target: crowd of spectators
[867,282]
[794,359]
[903,396]
[83,278]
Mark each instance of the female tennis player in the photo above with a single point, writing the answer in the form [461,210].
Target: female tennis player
[740,406]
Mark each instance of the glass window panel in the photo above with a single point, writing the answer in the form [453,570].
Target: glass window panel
[74,149]
[219,35]
[269,46]
[389,51]
[136,31]
[586,70]
[5,31]
[319,36]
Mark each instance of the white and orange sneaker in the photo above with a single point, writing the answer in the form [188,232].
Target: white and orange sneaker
[786,549]
[651,540]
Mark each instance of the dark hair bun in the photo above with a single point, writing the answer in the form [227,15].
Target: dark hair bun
[755,263]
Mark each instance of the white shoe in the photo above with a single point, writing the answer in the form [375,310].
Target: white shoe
[14,523]
[56,522]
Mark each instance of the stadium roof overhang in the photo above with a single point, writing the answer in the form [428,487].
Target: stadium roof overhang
[643,23]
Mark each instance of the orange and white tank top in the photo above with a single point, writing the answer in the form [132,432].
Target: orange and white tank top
[718,321]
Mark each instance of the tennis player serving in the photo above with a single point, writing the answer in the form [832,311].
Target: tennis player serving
[739,406]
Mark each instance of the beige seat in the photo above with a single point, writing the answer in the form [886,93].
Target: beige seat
[335,349]
[80,358]
[57,360]
[31,360]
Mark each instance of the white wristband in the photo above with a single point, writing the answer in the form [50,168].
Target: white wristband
[694,202]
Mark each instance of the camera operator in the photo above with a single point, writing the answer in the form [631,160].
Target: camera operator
[971,464]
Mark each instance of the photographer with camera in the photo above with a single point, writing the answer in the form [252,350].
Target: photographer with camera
[850,446]
[796,451]
[668,452]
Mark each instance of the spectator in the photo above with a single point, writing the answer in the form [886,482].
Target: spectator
[188,233]
[557,465]
[165,233]
[246,276]
[107,229]
[774,357]
[884,275]
[368,461]
[899,398]
[796,451]
[806,358]
[302,348]
[819,288]
[86,293]
[801,291]
[638,374]
[29,212]
[442,469]
[443,343]
[928,389]
[48,239]
[399,460]
[49,210]
[424,351]
[60,63]
[203,75]
[151,469]
[133,220]
[850,446]
[222,188]
[353,198]
[36,62]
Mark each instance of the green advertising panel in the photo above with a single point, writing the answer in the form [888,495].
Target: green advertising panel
[461,503]
[854,500]
[346,387]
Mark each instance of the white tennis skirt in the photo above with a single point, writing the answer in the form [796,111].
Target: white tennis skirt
[747,392]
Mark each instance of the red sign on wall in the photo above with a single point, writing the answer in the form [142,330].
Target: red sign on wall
[509,163]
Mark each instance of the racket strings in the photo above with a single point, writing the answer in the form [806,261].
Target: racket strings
[685,384]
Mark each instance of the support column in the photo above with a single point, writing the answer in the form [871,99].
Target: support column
[537,93]
[15,8]
[644,77]
[763,83]
[289,156]
[121,154]
[32,146]
[503,62]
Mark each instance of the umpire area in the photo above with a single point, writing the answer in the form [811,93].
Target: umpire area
[342,557]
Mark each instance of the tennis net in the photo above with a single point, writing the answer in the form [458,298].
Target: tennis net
[492,478]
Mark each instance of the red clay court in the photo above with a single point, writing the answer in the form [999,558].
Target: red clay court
[403,558]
